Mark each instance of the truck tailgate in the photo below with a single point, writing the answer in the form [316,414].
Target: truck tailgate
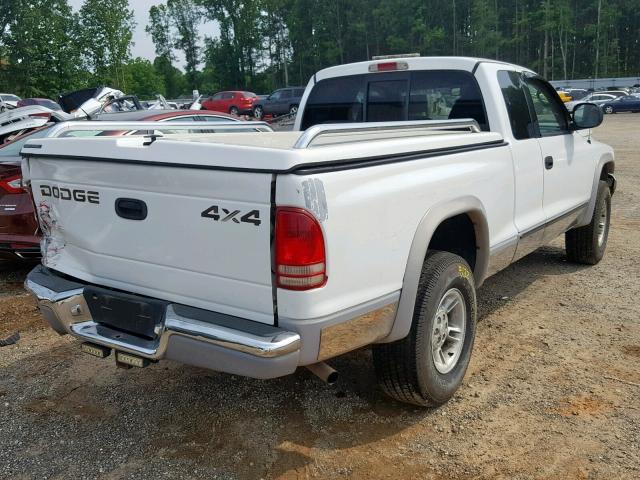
[195,236]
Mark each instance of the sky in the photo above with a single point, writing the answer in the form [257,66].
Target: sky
[143,46]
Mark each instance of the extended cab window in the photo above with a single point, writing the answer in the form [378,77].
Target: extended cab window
[443,95]
[517,106]
[419,95]
[551,114]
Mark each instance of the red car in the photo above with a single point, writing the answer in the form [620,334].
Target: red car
[233,102]
[19,234]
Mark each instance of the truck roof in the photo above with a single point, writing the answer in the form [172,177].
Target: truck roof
[413,63]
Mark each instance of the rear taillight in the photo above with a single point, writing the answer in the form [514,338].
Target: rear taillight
[12,184]
[300,260]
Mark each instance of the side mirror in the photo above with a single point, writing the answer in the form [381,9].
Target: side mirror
[587,115]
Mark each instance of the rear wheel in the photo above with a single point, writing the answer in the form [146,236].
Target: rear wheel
[258,112]
[233,111]
[587,244]
[293,109]
[426,367]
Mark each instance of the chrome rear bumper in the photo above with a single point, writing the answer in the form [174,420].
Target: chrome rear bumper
[189,335]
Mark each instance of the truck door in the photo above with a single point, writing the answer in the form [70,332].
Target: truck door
[529,215]
[567,166]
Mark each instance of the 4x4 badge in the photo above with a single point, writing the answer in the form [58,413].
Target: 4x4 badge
[224,215]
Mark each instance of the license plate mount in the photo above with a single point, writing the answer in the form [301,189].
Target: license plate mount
[133,314]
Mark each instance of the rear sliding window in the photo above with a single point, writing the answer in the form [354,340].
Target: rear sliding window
[420,95]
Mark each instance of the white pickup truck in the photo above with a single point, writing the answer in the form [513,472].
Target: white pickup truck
[407,182]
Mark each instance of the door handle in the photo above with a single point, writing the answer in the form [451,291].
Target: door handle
[131,208]
[548,162]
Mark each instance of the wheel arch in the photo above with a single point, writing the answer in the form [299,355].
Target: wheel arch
[604,171]
[436,216]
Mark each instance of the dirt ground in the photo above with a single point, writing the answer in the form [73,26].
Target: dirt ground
[553,390]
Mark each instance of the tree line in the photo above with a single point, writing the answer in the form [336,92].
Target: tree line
[46,48]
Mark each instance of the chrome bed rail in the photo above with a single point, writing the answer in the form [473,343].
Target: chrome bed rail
[313,133]
[64,128]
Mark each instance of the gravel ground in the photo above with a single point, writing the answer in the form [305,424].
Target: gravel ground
[553,390]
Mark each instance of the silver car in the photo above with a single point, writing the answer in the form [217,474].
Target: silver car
[595,97]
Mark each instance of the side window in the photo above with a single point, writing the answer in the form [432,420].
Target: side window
[551,114]
[212,118]
[299,92]
[217,96]
[442,95]
[515,99]
[286,94]
[276,95]
[227,95]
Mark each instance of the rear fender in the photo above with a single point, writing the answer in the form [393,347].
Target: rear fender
[426,228]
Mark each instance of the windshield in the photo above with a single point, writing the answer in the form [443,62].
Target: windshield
[9,98]
[13,149]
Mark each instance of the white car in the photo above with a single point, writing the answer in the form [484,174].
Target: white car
[7,101]
[408,183]
[595,97]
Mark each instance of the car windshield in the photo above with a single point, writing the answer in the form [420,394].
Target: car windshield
[13,149]
[9,98]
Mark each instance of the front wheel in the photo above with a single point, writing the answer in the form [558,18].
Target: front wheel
[608,109]
[427,367]
[258,113]
[587,244]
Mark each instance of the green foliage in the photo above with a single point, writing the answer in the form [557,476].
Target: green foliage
[106,29]
[263,44]
[142,79]
[39,45]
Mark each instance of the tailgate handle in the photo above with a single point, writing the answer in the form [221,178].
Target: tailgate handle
[131,208]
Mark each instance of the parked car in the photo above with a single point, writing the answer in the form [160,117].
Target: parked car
[19,234]
[564,96]
[45,102]
[257,253]
[595,97]
[628,103]
[8,101]
[577,93]
[234,102]
[280,102]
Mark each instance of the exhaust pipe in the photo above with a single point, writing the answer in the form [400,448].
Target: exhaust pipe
[324,372]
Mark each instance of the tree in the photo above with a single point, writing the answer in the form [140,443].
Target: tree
[41,48]
[106,33]
[173,79]
[159,27]
[142,79]
[185,17]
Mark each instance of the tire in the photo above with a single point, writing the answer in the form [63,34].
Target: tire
[258,112]
[587,244]
[234,111]
[608,109]
[407,369]
[2,109]
[293,109]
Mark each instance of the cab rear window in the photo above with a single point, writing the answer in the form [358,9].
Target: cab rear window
[420,95]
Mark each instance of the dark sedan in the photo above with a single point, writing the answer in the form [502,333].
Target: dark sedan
[627,103]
